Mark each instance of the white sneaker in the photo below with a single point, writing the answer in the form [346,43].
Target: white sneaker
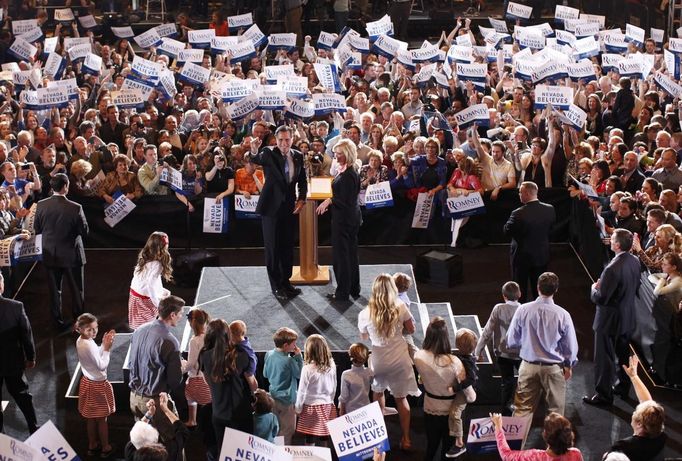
[390,411]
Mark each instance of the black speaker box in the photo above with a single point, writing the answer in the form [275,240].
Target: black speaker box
[187,266]
[439,268]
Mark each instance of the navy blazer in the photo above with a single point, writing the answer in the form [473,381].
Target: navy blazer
[529,227]
[16,338]
[615,297]
[63,226]
[345,190]
[276,192]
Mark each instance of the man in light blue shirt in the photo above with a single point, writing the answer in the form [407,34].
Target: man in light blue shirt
[545,335]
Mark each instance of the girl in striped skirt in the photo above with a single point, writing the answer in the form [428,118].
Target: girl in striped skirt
[95,395]
[196,389]
[146,289]
[316,390]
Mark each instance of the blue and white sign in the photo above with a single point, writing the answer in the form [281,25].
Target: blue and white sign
[379,195]
[294,87]
[356,434]
[245,208]
[360,44]
[191,55]
[55,96]
[146,70]
[458,53]
[499,25]
[235,90]
[562,12]
[583,69]
[128,99]
[427,53]
[22,50]
[275,73]
[550,70]
[479,114]
[328,76]
[307,453]
[377,28]
[200,38]
[170,47]
[326,103]
[216,215]
[29,99]
[64,15]
[615,43]
[241,109]
[240,21]
[79,52]
[238,446]
[565,38]
[242,51]
[558,96]
[13,449]
[168,29]
[473,72]
[610,61]
[51,443]
[222,44]
[574,116]
[87,22]
[21,26]
[531,38]
[33,35]
[167,83]
[123,32]
[299,109]
[586,48]
[255,36]
[271,99]
[481,438]
[171,178]
[586,29]
[50,45]
[132,83]
[518,11]
[281,42]
[466,205]
[194,74]
[387,46]
[148,39]
[657,36]
[634,34]
[325,41]
[92,64]
[114,213]
[28,250]
[404,57]
[668,85]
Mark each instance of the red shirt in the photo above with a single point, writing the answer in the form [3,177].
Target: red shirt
[221,30]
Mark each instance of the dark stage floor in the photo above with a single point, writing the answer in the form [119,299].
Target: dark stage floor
[109,271]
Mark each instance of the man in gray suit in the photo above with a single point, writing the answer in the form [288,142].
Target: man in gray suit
[63,226]
[614,321]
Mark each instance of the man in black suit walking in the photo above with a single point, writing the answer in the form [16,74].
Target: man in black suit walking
[283,169]
[614,321]
[17,352]
[529,227]
[63,226]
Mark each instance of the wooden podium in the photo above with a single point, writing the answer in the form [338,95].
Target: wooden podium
[309,273]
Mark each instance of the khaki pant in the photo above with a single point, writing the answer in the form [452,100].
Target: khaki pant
[138,405]
[459,403]
[533,381]
[292,24]
[286,415]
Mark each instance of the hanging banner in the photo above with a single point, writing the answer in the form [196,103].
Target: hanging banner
[558,96]
[200,38]
[422,211]
[245,208]
[51,443]
[171,178]
[238,446]
[328,76]
[481,438]
[216,215]
[326,103]
[240,21]
[356,434]
[466,205]
[479,114]
[241,109]
[122,206]
[379,195]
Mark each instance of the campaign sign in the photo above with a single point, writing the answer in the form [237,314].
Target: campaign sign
[574,116]
[325,41]
[127,99]
[610,61]
[240,446]
[146,69]
[309,453]
[123,32]
[168,29]
[274,73]
[272,100]
[672,63]
[634,34]
[241,109]
[518,11]
[361,44]
[355,434]
[422,211]
[328,77]
[254,35]
[216,215]
[30,100]
[533,39]
[668,85]
[190,55]
[64,15]
[630,66]
[240,21]
[466,205]
[657,35]
[298,109]
[55,96]
[428,53]
[33,35]
[562,12]
[222,44]
[583,69]
[50,45]
[170,47]
[122,206]
[586,29]
[22,50]
[80,51]
[51,443]
[404,57]
[22,26]
[586,48]
[242,51]
[28,250]
[92,64]
[87,22]
[6,261]
[167,83]
[12,449]
[326,103]
[131,83]
[281,42]
[481,438]
[200,38]
[557,96]
[70,84]
[294,86]
[172,178]
[387,46]
[148,39]
[615,43]
[379,195]
[499,25]
[550,70]
[478,114]
[565,38]
[460,53]
[382,26]
[245,208]
[194,74]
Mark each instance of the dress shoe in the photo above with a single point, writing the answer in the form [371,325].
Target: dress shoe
[597,401]
[292,291]
[281,295]
[355,295]
[334,297]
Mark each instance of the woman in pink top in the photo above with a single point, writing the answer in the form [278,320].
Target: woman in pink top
[557,433]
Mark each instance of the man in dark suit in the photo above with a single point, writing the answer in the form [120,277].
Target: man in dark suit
[529,227]
[614,321]
[17,352]
[112,130]
[632,179]
[283,169]
[63,226]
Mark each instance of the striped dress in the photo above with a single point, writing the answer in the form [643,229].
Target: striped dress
[315,400]
[196,389]
[146,290]
[95,394]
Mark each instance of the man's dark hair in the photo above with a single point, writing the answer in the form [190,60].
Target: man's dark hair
[511,291]
[170,305]
[283,128]
[630,202]
[623,238]
[153,452]
[58,181]
[658,214]
[83,127]
[548,283]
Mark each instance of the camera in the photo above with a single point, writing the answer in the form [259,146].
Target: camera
[316,158]
[26,166]
[519,145]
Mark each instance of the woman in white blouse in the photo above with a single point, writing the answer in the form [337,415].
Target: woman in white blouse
[670,281]
[146,288]
[438,370]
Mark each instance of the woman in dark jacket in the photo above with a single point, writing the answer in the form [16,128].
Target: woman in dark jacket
[346,220]
[225,369]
